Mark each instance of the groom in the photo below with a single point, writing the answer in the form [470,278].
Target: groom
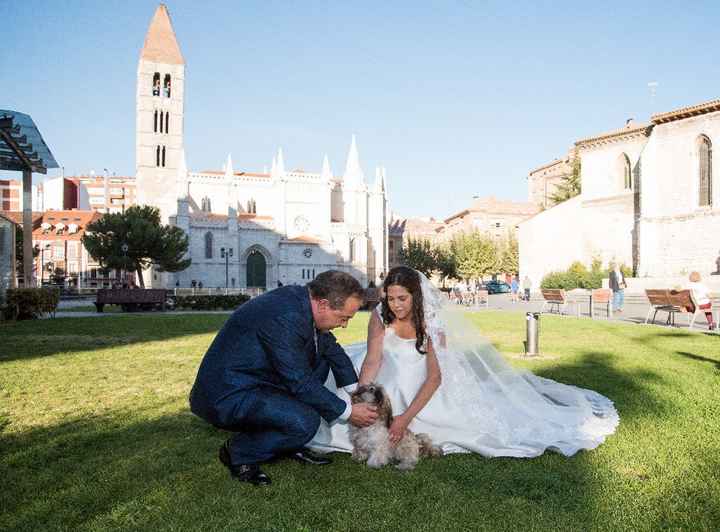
[263,375]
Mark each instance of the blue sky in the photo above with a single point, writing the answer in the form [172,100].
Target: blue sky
[453,98]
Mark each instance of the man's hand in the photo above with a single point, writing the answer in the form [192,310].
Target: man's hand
[363,414]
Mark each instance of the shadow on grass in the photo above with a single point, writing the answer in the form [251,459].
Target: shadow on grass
[40,338]
[699,358]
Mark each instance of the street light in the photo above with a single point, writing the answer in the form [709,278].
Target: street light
[226,255]
[42,261]
[123,271]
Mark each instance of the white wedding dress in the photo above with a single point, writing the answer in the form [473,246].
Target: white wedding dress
[483,404]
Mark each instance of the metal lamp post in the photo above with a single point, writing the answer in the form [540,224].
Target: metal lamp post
[226,254]
[123,274]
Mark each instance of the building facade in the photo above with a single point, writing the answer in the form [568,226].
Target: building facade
[649,200]
[249,229]
[497,218]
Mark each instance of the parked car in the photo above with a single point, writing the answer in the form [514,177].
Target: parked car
[497,287]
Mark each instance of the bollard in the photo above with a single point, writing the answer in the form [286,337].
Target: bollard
[532,346]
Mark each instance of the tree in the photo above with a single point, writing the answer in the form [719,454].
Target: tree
[445,262]
[510,255]
[135,240]
[476,255]
[418,254]
[570,185]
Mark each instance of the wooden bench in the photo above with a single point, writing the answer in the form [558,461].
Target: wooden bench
[601,296]
[672,302]
[132,299]
[554,297]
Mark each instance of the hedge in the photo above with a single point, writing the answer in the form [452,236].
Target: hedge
[578,276]
[31,303]
[214,302]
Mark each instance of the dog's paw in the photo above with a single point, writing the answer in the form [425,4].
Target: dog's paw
[406,466]
[376,462]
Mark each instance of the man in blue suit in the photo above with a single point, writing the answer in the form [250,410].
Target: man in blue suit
[263,376]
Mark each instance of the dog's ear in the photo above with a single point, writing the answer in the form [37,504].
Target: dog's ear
[385,408]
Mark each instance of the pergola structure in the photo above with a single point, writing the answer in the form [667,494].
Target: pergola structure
[23,149]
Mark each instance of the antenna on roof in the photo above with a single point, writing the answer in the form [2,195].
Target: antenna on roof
[653,85]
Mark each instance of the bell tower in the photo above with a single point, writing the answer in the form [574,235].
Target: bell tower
[159,116]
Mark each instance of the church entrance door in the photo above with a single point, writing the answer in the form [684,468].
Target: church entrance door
[256,270]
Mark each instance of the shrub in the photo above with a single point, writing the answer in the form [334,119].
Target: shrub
[31,303]
[212,302]
[578,276]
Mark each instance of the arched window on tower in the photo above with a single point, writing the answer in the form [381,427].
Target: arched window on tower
[205,205]
[208,245]
[167,122]
[627,173]
[157,156]
[163,156]
[156,84]
[705,170]
[155,122]
[251,206]
[166,86]
[162,121]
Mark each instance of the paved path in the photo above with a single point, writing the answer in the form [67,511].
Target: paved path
[634,311]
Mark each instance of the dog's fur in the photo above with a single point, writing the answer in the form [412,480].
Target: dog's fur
[372,444]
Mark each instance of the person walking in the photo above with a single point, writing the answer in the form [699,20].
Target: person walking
[617,285]
[527,285]
[514,286]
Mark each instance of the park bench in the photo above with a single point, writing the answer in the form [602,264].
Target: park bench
[554,297]
[131,299]
[672,302]
[603,298]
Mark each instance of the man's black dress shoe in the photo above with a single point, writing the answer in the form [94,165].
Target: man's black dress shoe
[245,472]
[306,457]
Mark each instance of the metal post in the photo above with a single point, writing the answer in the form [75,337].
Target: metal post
[27,229]
[532,345]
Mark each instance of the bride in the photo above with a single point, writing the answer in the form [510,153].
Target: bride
[445,380]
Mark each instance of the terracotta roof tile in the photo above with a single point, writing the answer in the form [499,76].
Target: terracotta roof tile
[161,46]
[686,112]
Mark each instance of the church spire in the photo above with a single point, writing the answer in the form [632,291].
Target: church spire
[161,46]
[326,173]
[278,165]
[229,168]
[353,171]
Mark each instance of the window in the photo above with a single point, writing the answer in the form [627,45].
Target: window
[163,156]
[705,171]
[155,122]
[166,86]
[208,245]
[623,172]
[157,156]
[156,84]
[251,207]
[167,122]
[162,121]
[205,205]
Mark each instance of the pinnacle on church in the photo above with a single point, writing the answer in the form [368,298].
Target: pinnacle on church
[161,46]
[280,165]
[379,179]
[353,171]
[326,173]
[229,168]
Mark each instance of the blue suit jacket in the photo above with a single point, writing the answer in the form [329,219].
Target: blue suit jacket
[269,342]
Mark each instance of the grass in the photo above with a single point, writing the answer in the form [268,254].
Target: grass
[96,435]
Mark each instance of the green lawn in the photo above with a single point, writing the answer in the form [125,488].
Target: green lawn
[96,435]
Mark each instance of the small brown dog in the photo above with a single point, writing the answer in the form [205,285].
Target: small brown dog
[372,444]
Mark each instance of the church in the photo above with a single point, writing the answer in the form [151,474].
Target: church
[249,229]
[649,200]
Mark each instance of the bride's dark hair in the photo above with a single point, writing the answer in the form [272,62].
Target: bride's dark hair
[410,280]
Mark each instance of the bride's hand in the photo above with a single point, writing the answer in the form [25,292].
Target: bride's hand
[397,429]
